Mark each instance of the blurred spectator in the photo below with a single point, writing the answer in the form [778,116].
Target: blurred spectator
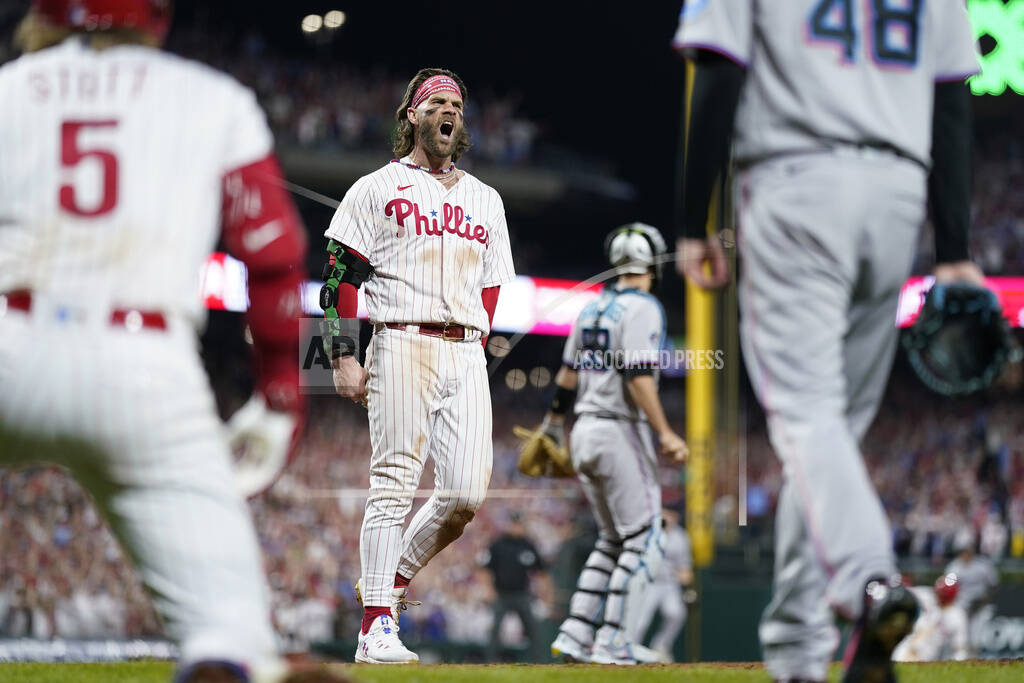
[333,107]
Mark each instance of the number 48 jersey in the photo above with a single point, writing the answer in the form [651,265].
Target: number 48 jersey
[112,165]
[822,72]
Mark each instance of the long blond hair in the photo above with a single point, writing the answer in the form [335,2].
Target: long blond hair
[405,133]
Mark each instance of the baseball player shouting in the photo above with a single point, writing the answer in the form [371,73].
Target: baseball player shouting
[121,167]
[430,243]
[848,115]
[611,361]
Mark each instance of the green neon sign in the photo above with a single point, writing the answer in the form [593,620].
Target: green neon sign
[1003,67]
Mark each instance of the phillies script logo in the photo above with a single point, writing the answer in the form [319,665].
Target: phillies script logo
[453,220]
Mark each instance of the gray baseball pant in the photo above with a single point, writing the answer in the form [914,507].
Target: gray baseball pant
[826,241]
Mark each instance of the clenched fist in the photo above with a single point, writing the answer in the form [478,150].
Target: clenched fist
[350,379]
[673,445]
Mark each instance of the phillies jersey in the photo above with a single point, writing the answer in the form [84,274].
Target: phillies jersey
[111,173]
[432,249]
[622,329]
[940,633]
[822,72]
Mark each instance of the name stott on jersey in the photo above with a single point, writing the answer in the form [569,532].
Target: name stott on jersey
[834,70]
[88,218]
[432,249]
[621,329]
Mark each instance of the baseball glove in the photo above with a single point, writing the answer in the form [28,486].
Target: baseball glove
[961,341]
[541,453]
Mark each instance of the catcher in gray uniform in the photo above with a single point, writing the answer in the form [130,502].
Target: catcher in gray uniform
[847,115]
[611,361]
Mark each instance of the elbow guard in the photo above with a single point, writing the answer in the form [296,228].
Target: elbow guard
[344,266]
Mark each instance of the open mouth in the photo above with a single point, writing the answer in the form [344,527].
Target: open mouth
[447,128]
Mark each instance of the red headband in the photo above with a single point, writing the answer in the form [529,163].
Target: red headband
[434,84]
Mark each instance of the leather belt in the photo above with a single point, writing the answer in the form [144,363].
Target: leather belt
[131,319]
[447,331]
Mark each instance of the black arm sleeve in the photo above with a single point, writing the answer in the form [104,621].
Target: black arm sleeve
[563,400]
[949,185]
[709,112]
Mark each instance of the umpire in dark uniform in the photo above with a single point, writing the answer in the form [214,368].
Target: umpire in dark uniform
[511,559]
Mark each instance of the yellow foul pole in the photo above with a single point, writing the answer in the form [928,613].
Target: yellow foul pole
[700,394]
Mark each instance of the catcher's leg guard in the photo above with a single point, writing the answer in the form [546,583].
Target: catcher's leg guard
[588,601]
[638,562]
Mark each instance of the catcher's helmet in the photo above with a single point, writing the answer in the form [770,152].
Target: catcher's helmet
[946,588]
[634,248]
[152,17]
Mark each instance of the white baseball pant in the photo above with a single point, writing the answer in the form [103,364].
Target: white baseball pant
[132,416]
[427,398]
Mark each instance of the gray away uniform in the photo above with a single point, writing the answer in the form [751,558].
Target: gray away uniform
[665,595]
[832,137]
[613,453]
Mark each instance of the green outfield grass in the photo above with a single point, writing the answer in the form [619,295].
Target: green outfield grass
[160,672]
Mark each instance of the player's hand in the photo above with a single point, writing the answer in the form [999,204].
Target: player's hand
[554,427]
[262,441]
[960,271]
[350,379]
[692,255]
[673,446]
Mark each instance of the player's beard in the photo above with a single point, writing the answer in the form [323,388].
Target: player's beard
[432,142]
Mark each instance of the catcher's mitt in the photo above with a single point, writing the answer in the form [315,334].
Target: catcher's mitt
[540,455]
[961,341]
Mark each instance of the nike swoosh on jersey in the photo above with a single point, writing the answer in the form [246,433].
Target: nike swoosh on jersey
[256,239]
[403,187]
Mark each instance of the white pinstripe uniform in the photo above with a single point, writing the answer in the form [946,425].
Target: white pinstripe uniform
[110,197]
[432,251]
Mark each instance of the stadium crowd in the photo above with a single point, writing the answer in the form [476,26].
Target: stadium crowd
[942,467]
[331,106]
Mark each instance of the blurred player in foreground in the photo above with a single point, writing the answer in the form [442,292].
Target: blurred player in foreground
[431,244]
[940,632]
[611,360]
[121,167]
[666,595]
[847,117]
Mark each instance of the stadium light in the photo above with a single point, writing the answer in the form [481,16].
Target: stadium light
[498,346]
[515,379]
[312,23]
[540,377]
[334,19]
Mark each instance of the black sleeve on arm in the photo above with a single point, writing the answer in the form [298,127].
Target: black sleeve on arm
[709,112]
[949,185]
[563,400]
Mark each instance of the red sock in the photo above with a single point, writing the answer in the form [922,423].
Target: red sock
[401,581]
[371,613]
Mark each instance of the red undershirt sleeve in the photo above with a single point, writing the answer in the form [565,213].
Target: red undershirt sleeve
[489,297]
[262,229]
